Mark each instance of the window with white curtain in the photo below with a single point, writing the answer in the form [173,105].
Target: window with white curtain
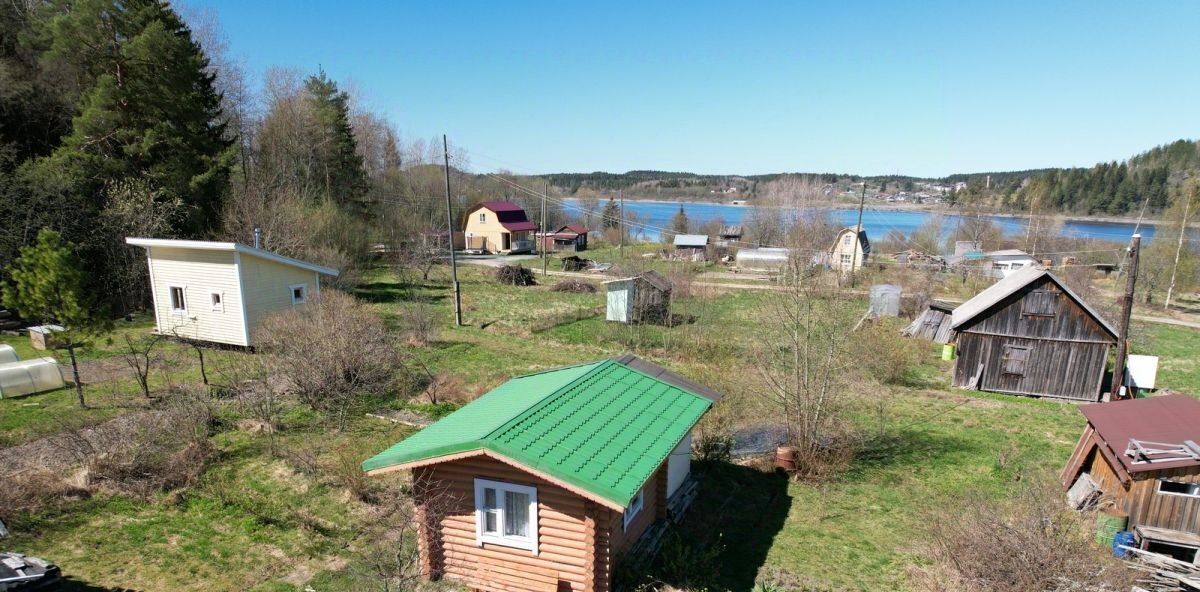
[506,514]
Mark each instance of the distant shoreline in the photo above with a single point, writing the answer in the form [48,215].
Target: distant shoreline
[934,208]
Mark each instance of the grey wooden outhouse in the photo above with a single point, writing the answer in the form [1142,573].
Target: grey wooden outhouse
[642,299]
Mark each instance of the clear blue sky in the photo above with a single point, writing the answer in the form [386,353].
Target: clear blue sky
[747,87]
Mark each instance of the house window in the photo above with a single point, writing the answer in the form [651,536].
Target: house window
[299,293]
[506,514]
[845,259]
[178,302]
[482,217]
[846,240]
[217,300]
[635,508]
[1178,488]
[1039,303]
[1015,357]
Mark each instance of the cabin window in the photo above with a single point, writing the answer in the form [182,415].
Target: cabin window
[1168,487]
[217,300]
[299,293]
[635,507]
[846,240]
[178,302]
[506,514]
[1015,357]
[1039,303]
[846,259]
[482,217]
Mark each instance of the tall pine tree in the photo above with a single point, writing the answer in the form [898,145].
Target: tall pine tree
[339,165]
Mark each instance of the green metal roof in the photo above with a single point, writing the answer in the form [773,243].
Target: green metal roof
[603,427]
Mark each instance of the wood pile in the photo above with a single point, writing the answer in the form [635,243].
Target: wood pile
[1162,573]
[574,287]
[515,275]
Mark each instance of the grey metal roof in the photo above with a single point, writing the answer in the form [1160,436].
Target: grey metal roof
[1009,286]
[691,240]
[667,376]
[657,280]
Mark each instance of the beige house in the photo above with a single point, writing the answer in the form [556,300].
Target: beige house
[499,227]
[848,254]
[218,292]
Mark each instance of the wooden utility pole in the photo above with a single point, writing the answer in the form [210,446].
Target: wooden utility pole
[450,229]
[542,247]
[621,223]
[862,200]
[1126,312]
[1187,205]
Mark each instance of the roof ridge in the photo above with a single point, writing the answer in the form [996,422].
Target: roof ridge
[554,369]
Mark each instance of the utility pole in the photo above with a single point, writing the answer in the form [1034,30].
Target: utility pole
[542,247]
[862,200]
[1126,312]
[1179,246]
[621,223]
[450,228]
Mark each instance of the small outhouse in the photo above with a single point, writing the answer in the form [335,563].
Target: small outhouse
[642,299]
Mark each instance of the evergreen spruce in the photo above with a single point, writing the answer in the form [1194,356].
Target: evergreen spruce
[343,175]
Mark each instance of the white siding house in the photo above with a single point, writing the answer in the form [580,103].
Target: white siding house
[218,292]
[848,254]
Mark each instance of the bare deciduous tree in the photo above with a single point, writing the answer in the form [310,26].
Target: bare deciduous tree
[139,355]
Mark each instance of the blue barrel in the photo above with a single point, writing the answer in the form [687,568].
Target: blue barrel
[1122,539]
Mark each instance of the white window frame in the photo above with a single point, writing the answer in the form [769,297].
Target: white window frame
[635,508]
[182,297]
[219,305]
[482,217]
[304,293]
[1195,486]
[499,538]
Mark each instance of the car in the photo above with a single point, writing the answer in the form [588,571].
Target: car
[21,573]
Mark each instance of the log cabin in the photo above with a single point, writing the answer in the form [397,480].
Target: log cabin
[1029,334]
[1140,457]
[541,484]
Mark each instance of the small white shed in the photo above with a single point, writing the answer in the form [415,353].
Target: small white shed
[219,291]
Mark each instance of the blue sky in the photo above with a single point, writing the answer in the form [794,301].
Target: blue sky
[928,88]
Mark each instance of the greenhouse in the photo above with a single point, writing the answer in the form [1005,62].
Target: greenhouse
[30,376]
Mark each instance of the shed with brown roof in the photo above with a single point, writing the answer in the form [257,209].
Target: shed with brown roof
[1142,458]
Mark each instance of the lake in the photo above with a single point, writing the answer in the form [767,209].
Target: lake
[654,216]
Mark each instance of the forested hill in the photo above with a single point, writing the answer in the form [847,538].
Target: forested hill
[1111,188]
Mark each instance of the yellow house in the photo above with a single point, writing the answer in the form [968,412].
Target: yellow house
[848,254]
[499,227]
[218,292]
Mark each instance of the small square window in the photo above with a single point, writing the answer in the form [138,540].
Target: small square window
[1179,488]
[299,293]
[635,508]
[1039,303]
[217,300]
[178,301]
[1014,360]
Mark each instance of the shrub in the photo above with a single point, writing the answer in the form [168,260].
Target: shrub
[1031,542]
[331,353]
[574,287]
[515,275]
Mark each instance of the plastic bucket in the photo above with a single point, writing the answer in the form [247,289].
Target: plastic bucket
[1123,538]
[1107,527]
[785,458]
[948,351]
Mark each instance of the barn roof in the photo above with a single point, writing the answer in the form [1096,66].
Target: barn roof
[997,292]
[170,243]
[862,239]
[599,429]
[1168,419]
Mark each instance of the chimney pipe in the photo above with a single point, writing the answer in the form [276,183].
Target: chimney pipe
[257,237]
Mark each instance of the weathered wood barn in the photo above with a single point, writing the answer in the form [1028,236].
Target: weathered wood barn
[1029,334]
[543,483]
[933,324]
[642,299]
[1140,457]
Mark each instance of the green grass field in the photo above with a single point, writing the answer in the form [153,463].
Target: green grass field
[256,522]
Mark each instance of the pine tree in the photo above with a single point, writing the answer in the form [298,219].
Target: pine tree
[48,287]
[611,214]
[343,175]
[148,109]
[679,222]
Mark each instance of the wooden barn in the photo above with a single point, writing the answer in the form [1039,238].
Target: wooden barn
[548,480]
[1140,457]
[933,324]
[1029,334]
[642,299]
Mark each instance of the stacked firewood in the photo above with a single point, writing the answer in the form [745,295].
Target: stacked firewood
[1164,574]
